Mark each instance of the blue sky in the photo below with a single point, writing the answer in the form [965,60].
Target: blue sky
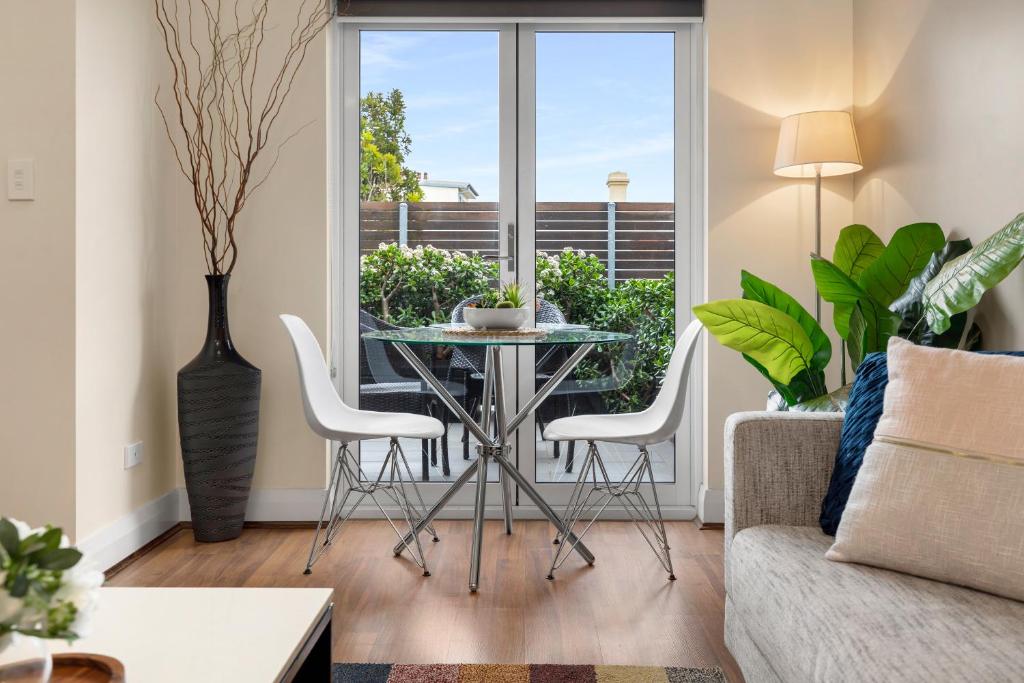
[604,103]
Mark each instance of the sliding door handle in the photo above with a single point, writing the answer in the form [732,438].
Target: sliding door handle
[511,244]
[510,247]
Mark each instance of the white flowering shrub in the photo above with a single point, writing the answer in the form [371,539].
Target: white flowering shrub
[410,287]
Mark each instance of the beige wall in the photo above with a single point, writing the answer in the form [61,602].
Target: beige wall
[37,264]
[123,368]
[939,93]
[282,268]
[766,60]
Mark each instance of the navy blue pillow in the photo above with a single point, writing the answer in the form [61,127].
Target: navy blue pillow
[862,414]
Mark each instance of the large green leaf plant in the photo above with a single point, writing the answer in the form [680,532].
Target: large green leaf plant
[920,286]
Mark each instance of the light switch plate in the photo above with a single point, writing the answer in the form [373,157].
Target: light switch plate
[132,455]
[21,179]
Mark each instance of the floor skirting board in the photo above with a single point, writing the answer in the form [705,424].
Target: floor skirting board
[115,542]
[111,544]
[711,505]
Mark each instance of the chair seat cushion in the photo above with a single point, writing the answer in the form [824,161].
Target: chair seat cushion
[817,620]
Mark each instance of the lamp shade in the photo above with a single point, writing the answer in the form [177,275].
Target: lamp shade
[814,140]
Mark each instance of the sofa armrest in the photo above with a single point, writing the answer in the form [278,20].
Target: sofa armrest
[777,468]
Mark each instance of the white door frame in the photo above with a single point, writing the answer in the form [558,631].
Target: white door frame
[680,499]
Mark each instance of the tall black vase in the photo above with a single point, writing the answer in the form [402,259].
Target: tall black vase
[218,420]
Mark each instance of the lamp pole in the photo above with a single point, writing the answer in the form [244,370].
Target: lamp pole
[817,234]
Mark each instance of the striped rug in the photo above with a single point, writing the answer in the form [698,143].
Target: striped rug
[520,673]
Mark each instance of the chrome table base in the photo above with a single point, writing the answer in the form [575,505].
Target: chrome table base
[494,445]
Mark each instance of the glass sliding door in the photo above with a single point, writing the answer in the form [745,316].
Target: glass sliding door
[599,117]
[555,156]
[428,221]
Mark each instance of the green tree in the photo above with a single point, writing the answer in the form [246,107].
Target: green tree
[384,144]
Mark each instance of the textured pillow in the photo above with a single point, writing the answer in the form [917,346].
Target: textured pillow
[862,413]
[940,493]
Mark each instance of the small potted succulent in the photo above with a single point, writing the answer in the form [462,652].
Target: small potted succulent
[46,592]
[503,308]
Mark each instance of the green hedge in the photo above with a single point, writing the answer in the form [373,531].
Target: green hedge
[412,287]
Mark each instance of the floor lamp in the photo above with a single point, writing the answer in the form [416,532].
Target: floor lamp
[817,144]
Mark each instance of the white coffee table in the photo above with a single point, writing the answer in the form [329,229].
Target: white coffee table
[213,634]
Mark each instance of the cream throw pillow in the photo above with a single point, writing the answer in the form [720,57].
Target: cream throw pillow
[941,490]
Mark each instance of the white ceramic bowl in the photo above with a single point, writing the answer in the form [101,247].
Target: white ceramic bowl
[495,318]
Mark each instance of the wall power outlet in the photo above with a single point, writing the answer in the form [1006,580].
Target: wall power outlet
[132,454]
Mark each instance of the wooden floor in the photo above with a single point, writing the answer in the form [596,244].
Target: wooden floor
[623,610]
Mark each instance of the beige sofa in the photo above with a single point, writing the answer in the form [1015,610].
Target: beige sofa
[793,616]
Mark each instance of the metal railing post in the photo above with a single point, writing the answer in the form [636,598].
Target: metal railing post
[403,224]
[611,245]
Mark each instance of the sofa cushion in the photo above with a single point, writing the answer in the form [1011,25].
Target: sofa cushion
[816,620]
[863,411]
[941,491]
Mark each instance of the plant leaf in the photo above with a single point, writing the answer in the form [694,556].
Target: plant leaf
[805,385]
[961,283]
[9,537]
[59,558]
[756,289]
[836,288]
[910,306]
[879,325]
[856,249]
[20,586]
[907,254]
[769,336]
[834,402]
[855,341]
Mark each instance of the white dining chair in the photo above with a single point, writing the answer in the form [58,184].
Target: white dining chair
[594,490]
[329,417]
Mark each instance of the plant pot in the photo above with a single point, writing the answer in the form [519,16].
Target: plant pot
[495,318]
[218,421]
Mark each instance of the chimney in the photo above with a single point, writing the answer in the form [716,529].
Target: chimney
[617,183]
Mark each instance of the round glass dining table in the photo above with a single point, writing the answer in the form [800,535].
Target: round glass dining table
[495,439]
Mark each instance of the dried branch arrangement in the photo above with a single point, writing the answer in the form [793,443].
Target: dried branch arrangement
[224,101]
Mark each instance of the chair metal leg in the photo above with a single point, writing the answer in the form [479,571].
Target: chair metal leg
[432,412]
[425,467]
[446,468]
[329,495]
[422,512]
[345,479]
[570,455]
[589,506]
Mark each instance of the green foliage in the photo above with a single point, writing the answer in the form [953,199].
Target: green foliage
[856,249]
[906,255]
[576,281]
[33,566]
[910,305]
[769,336]
[810,382]
[508,295]
[960,284]
[878,291]
[384,145]
[412,287]
[645,309]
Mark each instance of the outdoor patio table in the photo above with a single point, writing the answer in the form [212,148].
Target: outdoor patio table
[495,447]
